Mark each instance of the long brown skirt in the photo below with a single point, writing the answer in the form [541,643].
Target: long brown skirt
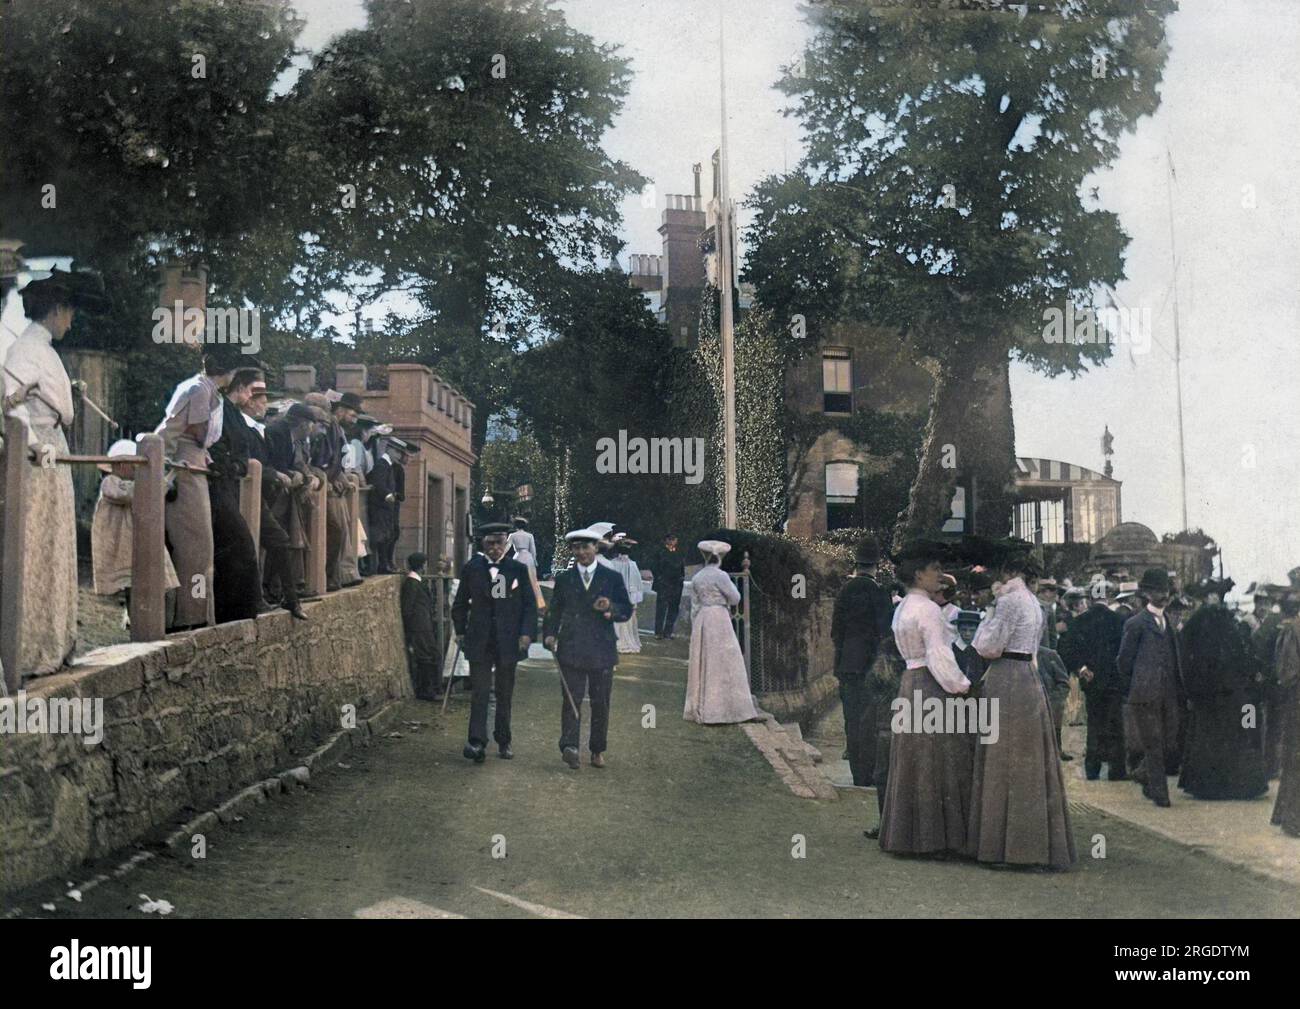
[188,520]
[926,799]
[1018,811]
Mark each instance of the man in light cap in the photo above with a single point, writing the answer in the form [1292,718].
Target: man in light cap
[579,630]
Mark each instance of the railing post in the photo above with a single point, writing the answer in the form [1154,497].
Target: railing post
[315,560]
[250,503]
[744,602]
[17,477]
[148,608]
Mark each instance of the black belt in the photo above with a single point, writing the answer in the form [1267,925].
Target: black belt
[1019,656]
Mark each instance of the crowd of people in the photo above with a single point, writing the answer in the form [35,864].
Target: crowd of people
[1174,683]
[215,421]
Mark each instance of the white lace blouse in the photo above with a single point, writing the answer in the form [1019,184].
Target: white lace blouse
[922,637]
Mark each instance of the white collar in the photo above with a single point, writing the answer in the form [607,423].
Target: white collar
[415,575]
[39,332]
[1157,610]
[589,569]
[1012,585]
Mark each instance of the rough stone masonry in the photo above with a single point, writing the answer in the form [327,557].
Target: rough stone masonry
[189,720]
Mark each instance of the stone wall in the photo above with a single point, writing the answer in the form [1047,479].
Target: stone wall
[189,720]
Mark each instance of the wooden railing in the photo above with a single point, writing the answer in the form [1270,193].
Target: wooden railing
[148,591]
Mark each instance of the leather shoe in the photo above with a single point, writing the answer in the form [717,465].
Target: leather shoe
[296,611]
[478,754]
[505,753]
[597,760]
[872,832]
[570,757]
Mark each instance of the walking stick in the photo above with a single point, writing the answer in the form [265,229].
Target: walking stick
[569,695]
[451,680]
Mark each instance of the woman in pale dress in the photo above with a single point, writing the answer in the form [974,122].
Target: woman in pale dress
[525,547]
[37,390]
[1018,814]
[628,638]
[717,683]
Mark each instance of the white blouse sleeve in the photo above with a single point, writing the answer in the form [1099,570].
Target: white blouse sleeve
[939,659]
[995,631]
[729,589]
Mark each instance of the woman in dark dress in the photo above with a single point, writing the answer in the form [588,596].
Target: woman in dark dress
[1224,754]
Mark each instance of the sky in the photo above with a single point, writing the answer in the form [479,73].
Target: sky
[1229,119]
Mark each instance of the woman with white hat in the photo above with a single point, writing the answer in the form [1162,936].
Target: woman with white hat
[717,684]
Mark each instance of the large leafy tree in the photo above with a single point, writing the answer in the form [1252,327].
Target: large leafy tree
[451,167]
[943,195]
[135,132]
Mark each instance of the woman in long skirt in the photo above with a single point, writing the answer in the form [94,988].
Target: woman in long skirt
[627,636]
[525,548]
[717,683]
[1018,811]
[928,788]
[1286,811]
[37,390]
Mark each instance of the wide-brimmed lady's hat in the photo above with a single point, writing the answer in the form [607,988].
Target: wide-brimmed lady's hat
[714,548]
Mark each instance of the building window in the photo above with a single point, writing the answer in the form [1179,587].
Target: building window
[1040,521]
[842,511]
[837,382]
[957,524]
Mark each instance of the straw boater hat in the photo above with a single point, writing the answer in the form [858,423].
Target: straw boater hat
[121,447]
[590,535]
[714,548]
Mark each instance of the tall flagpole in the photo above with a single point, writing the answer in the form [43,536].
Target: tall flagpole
[1178,346]
[726,332]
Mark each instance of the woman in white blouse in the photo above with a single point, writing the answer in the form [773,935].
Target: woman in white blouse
[928,789]
[1017,813]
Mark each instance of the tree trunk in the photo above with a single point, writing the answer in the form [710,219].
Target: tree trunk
[969,439]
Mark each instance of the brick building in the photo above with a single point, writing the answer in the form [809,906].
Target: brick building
[436,418]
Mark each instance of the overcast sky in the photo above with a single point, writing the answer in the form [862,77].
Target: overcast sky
[1230,116]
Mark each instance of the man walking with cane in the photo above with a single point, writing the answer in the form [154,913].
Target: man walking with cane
[588,600]
[495,614]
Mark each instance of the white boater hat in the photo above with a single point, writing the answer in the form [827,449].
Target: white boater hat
[719,548]
[121,447]
[583,534]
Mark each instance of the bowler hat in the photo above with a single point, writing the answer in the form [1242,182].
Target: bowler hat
[1155,580]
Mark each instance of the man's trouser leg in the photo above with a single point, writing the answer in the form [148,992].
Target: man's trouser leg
[1094,749]
[505,692]
[335,524]
[275,541]
[859,729]
[661,612]
[571,720]
[1111,739]
[599,684]
[480,681]
[1175,716]
[1149,720]
[674,604]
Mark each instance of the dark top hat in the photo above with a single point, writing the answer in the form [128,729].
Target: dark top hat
[867,552]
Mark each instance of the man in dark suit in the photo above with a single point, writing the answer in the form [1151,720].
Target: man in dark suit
[273,538]
[1150,663]
[588,599]
[495,613]
[669,570]
[237,581]
[381,506]
[1089,649]
[859,622]
[419,632]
